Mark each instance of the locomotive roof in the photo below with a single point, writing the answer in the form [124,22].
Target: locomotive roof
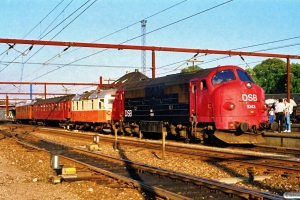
[102,93]
[93,94]
[131,77]
[86,95]
[169,79]
[55,99]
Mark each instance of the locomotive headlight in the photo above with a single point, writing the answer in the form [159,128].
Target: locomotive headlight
[228,106]
[248,85]
[265,107]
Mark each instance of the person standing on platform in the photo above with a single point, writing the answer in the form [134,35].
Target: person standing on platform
[271,115]
[279,109]
[288,111]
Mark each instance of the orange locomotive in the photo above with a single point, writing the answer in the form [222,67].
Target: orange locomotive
[223,102]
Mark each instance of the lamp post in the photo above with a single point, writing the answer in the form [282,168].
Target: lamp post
[193,61]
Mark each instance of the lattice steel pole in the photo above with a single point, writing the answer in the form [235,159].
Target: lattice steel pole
[143,55]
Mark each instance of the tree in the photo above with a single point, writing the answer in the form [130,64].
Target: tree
[268,75]
[190,69]
[271,76]
[295,78]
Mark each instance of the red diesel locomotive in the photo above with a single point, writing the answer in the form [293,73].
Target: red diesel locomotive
[222,101]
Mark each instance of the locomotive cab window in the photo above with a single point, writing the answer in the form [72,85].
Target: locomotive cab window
[194,88]
[244,76]
[203,85]
[223,76]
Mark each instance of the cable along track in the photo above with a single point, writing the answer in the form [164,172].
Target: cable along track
[165,184]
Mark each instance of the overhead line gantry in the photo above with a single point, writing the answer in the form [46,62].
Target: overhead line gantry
[154,49]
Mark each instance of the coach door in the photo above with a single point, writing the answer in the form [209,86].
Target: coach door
[193,100]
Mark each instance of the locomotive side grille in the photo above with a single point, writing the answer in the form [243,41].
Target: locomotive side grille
[181,89]
[151,126]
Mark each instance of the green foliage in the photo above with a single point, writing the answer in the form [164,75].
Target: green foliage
[190,69]
[271,76]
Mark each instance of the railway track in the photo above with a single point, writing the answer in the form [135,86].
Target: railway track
[164,183]
[269,163]
[266,163]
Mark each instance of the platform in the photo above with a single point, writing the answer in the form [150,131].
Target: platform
[285,140]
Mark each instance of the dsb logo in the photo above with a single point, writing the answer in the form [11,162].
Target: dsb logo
[128,113]
[249,97]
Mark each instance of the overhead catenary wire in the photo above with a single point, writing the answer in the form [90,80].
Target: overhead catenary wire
[55,18]
[57,55]
[31,31]
[138,22]
[150,16]
[43,19]
[203,11]
[76,65]
[125,28]
[221,58]
[69,17]
[17,57]
[63,28]
[56,34]
[51,31]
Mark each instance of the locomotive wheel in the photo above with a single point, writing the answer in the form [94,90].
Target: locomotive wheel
[207,137]
[274,126]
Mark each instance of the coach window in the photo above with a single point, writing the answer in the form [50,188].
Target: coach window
[223,76]
[110,102]
[82,105]
[76,105]
[101,104]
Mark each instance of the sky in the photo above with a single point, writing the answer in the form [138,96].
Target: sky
[269,26]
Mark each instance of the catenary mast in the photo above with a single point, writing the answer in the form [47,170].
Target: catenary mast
[143,55]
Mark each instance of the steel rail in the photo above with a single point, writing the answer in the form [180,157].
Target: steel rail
[215,185]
